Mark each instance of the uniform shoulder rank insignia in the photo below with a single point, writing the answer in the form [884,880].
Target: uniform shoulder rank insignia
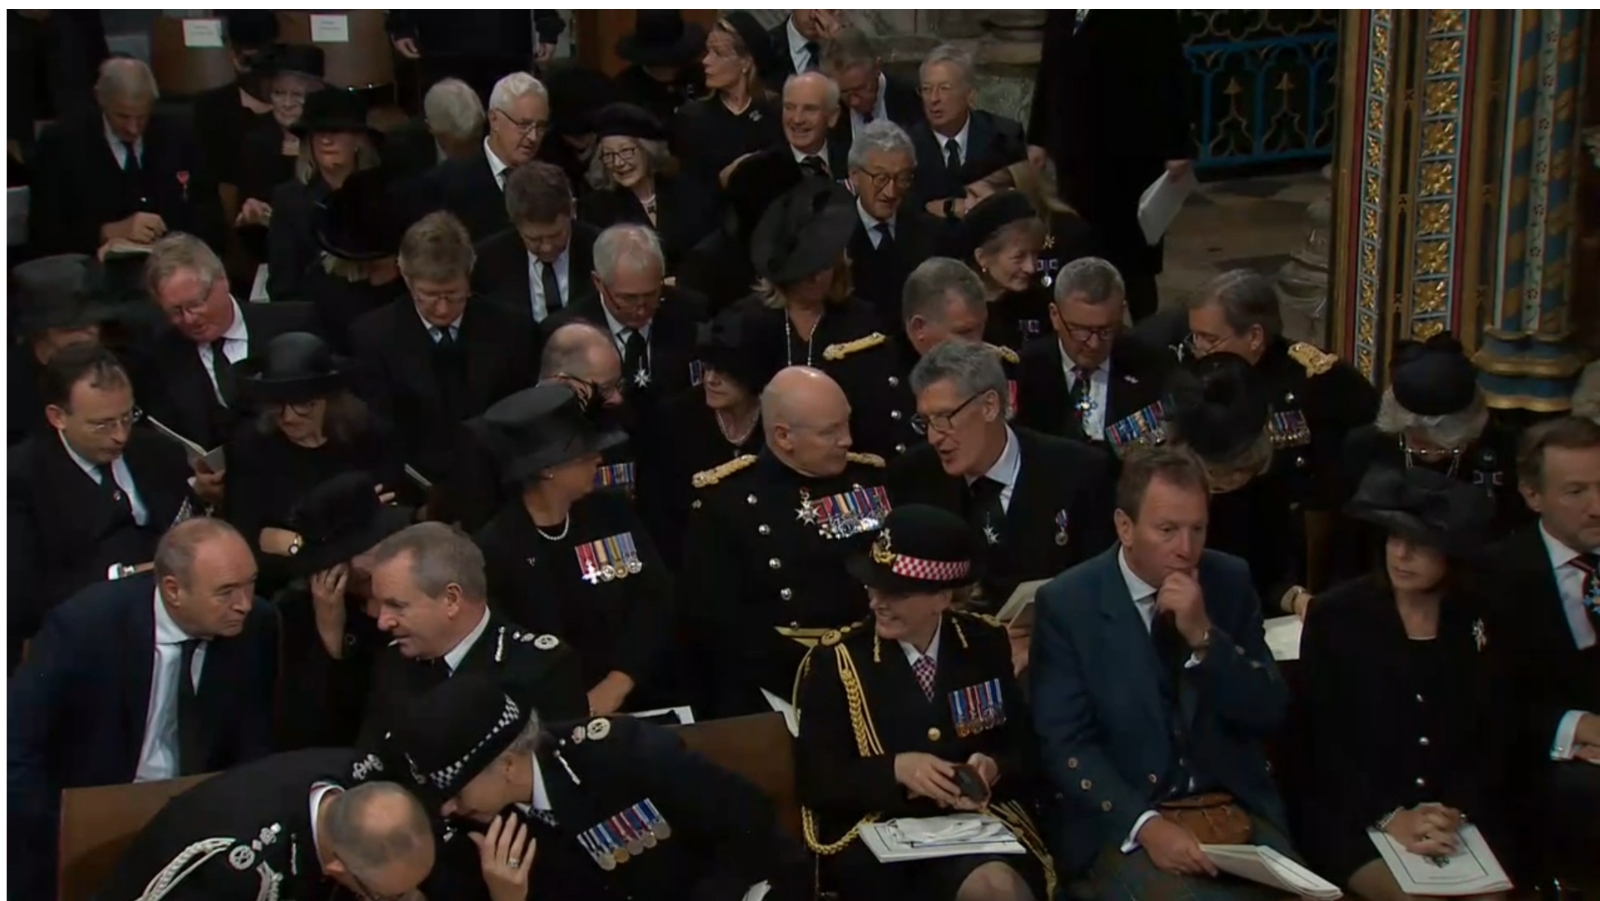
[365,767]
[717,473]
[840,351]
[867,459]
[1005,353]
[597,729]
[982,617]
[831,638]
[545,642]
[1312,358]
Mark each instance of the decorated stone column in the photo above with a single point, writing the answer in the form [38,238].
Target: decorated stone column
[1302,283]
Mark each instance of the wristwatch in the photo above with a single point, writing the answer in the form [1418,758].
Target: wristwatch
[297,545]
[1205,642]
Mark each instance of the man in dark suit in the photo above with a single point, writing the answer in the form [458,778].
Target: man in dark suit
[867,93]
[430,587]
[797,43]
[186,379]
[92,493]
[958,143]
[451,128]
[944,300]
[151,677]
[473,188]
[893,237]
[121,174]
[1111,107]
[1089,381]
[541,264]
[478,46]
[1152,684]
[438,357]
[1547,625]
[1036,504]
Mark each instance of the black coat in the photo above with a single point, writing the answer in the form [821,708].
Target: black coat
[24,399]
[752,565]
[661,99]
[1331,398]
[901,103]
[262,163]
[292,247]
[685,213]
[63,529]
[682,438]
[1258,523]
[1057,478]
[410,151]
[78,185]
[265,808]
[400,375]
[621,624]
[227,123]
[718,267]
[501,273]
[880,275]
[477,32]
[1137,379]
[328,693]
[467,189]
[671,352]
[537,671]
[706,137]
[1391,722]
[1111,106]
[78,707]
[993,143]
[1018,317]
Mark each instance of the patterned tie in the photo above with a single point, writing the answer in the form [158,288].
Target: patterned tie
[1078,397]
[925,667]
[1589,565]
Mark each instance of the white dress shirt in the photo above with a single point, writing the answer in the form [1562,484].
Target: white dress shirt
[235,343]
[798,54]
[158,754]
[120,150]
[318,792]
[497,167]
[880,110]
[541,793]
[620,333]
[1007,467]
[459,652]
[932,653]
[120,472]
[871,223]
[536,298]
[1569,583]
[821,153]
[436,333]
[962,139]
[1094,419]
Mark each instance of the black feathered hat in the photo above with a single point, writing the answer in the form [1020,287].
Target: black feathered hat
[728,344]
[1425,506]
[804,232]
[538,428]
[1217,406]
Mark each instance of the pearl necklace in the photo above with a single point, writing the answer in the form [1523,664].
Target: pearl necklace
[727,431]
[566,526]
[788,339]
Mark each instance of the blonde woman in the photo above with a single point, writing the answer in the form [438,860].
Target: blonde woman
[741,115]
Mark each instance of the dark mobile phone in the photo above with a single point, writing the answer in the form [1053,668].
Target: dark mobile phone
[972,786]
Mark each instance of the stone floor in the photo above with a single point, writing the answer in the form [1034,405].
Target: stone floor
[1252,223]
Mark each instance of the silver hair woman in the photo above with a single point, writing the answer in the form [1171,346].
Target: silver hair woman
[1433,404]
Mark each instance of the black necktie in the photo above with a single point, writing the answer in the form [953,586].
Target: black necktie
[634,350]
[191,728]
[813,56]
[952,156]
[447,339]
[1589,565]
[108,482]
[1078,397]
[552,287]
[131,166]
[885,237]
[222,367]
[987,513]
[814,165]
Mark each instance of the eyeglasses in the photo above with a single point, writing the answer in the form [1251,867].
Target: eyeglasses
[536,126]
[108,426]
[943,423]
[192,308]
[1085,333]
[1202,342]
[300,409]
[613,157]
[881,180]
[293,98]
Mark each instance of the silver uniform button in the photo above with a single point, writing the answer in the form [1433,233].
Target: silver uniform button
[1423,741]
[775,563]
[764,529]
[895,415]
[1421,782]
[894,381]
[786,594]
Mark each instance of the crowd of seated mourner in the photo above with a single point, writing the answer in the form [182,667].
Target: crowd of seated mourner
[584,413]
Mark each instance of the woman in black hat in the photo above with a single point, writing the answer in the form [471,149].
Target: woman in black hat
[664,54]
[1218,407]
[58,300]
[1068,236]
[1403,727]
[1000,238]
[311,429]
[330,620]
[805,314]
[335,142]
[571,561]
[634,179]
[916,712]
[719,266]
[357,231]
[292,72]
[742,115]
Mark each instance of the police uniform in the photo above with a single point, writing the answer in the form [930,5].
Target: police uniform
[764,563]
[862,703]
[619,808]
[1317,399]
[245,834]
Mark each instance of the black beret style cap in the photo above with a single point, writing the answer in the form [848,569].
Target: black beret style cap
[990,215]
[1434,377]
[625,120]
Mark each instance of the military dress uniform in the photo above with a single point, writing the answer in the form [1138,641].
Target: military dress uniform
[1317,400]
[860,704]
[536,670]
[245,834]
[764,575]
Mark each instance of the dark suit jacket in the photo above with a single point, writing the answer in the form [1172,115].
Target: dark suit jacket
[467,189]
[993,143]
[78,185]
[501,273]
[62,528]
[880,277]
[410,150]
[1137,379]
[77,707]
[672,340]
[1101,714]
[901,103]
[782,61]
[685,213]
[173,385]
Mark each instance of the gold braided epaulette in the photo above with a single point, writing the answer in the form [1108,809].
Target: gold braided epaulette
[1312,358]
[1006,353]
[717,473]
[840,351]
[982,617]
[867,459]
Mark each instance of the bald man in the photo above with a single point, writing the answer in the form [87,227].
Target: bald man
[767,540]
[121,173]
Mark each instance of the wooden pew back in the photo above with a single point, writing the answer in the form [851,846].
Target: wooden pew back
[757,747]
[97,826]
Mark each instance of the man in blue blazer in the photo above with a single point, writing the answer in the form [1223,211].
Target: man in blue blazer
[1153,686]
[102,697]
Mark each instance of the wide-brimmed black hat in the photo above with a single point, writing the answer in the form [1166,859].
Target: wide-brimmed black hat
[251,28]
[921,548]
[538,428]
[625,120]
[754,186]
[333,109]
[339,520]
[295,368]
[804,232]
[988,216]
[65,291]
[576,94]
[299,59]
[1425,506]
[1217,406]
[358,222]
[661,38]
[451,733]
[757,42]
[1434,377]
[729,345]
